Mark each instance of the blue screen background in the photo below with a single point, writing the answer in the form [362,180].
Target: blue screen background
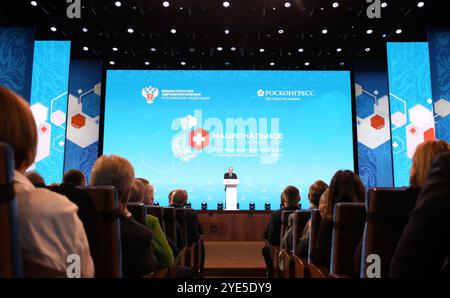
[317,130]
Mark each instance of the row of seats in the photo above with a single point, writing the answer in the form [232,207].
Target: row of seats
[106,249]
[378,224]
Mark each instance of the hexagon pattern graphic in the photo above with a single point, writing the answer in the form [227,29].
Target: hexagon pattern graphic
[58,117]
[442,107]
[40,112]
[398,119]
[420,129]
[84,128]
[377,122]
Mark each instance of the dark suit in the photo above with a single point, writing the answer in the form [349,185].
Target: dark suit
[321,252]
[424,247]
[193,226]
[137,251]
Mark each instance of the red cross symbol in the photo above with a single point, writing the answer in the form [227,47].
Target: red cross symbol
[413,130]
[199,139]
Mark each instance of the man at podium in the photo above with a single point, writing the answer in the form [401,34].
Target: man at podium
[229,175]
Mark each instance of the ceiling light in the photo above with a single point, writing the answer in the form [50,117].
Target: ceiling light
[369,31]
[85,49]
[112,62]
[367,50]
[173,30]
[84,29]
[272,63]
[324,31]
[166,3]
[219,49]
[227,31]
[287,4]
[118,3]
[300,50]
[153,49]
[130,30]
[233,49]
[33,3]
[384,4]
[420,4]
[261,50]
[226,4]
[335,4]
[183,63]
[147,63]
[115,49]
[306,63]
[398,31]
[338,50]
[53,29]
[281,31]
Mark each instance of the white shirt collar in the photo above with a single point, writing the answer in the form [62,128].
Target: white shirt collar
[21,179]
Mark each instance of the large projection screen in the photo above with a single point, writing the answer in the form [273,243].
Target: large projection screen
[183,129]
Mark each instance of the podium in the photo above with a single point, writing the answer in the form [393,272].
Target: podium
[231,193]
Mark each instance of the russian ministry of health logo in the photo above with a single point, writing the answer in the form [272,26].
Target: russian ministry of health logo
[150,93]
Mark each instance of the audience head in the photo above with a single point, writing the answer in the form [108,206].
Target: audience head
[35,178]
[290,197]
[345,186]
[422,160]
[315,192]
[115,171]
[18,128]
[149,194]
[137,192]
[178,197]
[74,177]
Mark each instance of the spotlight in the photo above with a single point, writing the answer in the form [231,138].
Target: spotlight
[155,203]
[342,63]
[420,4]
[227,31]
[220,205]
[188,205]
[300,50]
[85,49]
[261,50]
[335,4]
[204,205]
[219,49]
[166,3]
[398,31]
[272,63]
[53,29]
[33,3]
[370,31]
[384,35]
[287,4]
[233,49]
[118,3]
[324,31]
[281,31]
[267,206]
[183,63]
[153,49]
[307,63]
[367,49]
[147,63]
[384,4]
[130,30]
[226,4]
[251,206]
[112,62]
[85,29]
[173,30]
[115,49]
[338,50]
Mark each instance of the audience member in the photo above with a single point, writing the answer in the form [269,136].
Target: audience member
[178,199]
[35,178]
[149,194]
[424,247]
[290,198]
[74,177]
[49,228]
[345,186]
[138,258]
[422,160]
[316,190]
[162,249]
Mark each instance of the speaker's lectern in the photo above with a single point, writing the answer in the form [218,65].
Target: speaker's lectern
[231,193]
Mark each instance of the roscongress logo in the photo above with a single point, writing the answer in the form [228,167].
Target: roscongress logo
[150,93]
[285,93]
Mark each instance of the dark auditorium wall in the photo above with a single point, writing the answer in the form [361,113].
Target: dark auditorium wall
[439,45]
[16,59]
[373,122]
[83,114]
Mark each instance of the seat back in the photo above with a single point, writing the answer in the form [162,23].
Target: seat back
[157,212]
[315,225]
[300,267]
[285,264]
[170,223]
[348,227]
[10,253]
[180,214]
[284,222]
[107,256]
[138,211]
[388,212]
[301,218]
[316,271]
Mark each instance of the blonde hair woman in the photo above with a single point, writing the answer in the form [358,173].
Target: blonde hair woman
[49,227]
[422,160]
